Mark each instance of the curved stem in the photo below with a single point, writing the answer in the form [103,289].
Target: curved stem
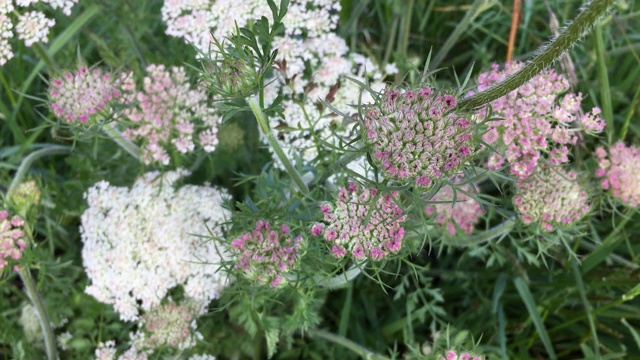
[45,324]
[27,161]
[124,143]
[546,55]
[277,149]
[340,163]
[340,280]
[346,343]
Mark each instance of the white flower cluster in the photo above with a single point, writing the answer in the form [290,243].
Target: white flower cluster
[309,46]
[141,242]
[32,26]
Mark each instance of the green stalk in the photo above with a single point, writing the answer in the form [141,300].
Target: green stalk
[339,164]
[27,161]
[603,76]
[273,142]
[547,54]
[124,143]
[340,280]
[45,324]
[346,343]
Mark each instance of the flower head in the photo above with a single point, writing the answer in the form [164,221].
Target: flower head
[454,216]
[362,223]
[620,169]
[551,197]
[12,238]
[168,113]
[77,96]
[169,324]
[454,355]
[141,242]
[33,27]
[533,120]
[415,137]
[267,254]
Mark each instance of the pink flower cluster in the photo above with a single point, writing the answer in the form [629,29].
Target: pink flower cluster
[362,224]
[459,215]
[167,112]
[551,197]
[414,136]
[453,355]
[620,168]
[12,243]
[265,255]
[534,119]
[168,324]
[76,96]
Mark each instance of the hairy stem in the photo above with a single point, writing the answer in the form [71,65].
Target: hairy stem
[581,26]
[27,161]
[123,142]
[277,149]
[45,324]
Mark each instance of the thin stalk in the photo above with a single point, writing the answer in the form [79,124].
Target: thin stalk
[603,77]
[340,280]
[51,65]
[27,161]
[346,343]
[547,54]
[277,149]
[45,324]
[476,8]
[340,163]
[124,143]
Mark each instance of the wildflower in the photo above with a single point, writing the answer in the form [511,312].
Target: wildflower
[453,355]
[231,72]
[106,350]
[141,242]
[33,27]
[461,214]
[12,238]
[168,112]
[6,53]
[24,196]
[362,224]
[169,325]
[620,169]
[414,136]
[267,254]
[533,120]
[551,197]
[78,96]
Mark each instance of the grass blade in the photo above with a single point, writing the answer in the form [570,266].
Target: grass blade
[587,305]
[529,302]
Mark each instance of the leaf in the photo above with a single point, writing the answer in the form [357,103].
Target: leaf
[529,302]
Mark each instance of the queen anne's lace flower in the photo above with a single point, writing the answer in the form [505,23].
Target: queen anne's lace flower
[361,224]
[141,242]
[6,53]
[534,119]
[620,170]
[168,112]
[267,254]
[551,197]
[76,96]
[415,138]
[12,242]
[454,355]
[454,216]
[33,27]
[169,325]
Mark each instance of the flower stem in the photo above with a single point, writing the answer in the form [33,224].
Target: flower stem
[547,54]
[124,143]
[45,324]
[499,230]
[344,342]
[273,142]
[340,280]
[339,164]
[27,161]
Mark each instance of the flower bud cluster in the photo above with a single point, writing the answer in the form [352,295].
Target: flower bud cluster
[461,214]
[169,325]
[362,223]
[454,355]
[414,136]
[139,243]
[77,96]
[32,26]
[168,113]
[620,169]
[551,197]
[534,119]
[267,254]
[12,238]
